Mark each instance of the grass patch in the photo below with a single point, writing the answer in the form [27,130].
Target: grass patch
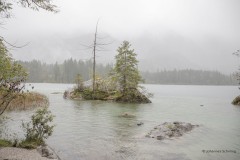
[5,143]
[30,144]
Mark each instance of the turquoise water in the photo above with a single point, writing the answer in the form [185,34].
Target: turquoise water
[93,129]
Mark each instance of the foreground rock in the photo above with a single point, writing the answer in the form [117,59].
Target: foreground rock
[236,101]
[170,130]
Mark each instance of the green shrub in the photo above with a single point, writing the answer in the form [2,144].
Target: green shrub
[38,129]
[30,144]
[87,94]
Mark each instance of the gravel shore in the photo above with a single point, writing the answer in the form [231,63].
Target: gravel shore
[11,153]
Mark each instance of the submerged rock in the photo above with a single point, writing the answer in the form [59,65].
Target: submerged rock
[236,101]
[56,93]
[127,115]
[170,129]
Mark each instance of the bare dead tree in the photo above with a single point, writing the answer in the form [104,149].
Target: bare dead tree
[95,47]
[94,59]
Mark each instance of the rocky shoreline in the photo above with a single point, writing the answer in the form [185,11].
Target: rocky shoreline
[170,130]
[41,153]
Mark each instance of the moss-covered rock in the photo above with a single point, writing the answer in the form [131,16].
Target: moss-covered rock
[76,95]
[236,101]
[133,96]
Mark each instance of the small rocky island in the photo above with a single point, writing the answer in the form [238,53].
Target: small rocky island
[87,93]
[170,130]
[121,84]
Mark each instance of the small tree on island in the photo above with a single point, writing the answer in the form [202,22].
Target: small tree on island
[126,68]
[126,74]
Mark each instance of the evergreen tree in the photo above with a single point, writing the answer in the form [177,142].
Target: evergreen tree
[126,68]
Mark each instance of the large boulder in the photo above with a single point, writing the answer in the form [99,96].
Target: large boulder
[236,101]
[170,129]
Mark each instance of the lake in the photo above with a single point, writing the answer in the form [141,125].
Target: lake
[93,130]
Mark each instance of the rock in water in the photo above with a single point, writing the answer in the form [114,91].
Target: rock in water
[170,129]
[236,101]
[127,115]
[47,152]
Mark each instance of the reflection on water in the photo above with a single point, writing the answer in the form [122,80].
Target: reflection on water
[94,129]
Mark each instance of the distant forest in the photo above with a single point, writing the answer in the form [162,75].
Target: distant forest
[66,72]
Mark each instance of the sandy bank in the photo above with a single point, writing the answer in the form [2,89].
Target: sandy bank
[11,153]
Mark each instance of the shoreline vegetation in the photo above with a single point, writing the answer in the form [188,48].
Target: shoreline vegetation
[12,78]
[23,101]
[39,72]
[33,146]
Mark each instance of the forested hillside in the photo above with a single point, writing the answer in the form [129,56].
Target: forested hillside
[188,77]
[62,73]
[66,72]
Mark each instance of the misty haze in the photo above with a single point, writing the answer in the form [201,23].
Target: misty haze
[104,79]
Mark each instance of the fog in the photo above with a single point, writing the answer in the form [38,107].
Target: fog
[166,34]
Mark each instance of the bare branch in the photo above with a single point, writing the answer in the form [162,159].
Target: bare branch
[13,45]
[103,44]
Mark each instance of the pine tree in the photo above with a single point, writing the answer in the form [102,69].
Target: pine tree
[126,68]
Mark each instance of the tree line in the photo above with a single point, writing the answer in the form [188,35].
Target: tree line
[189,77]
[66,72]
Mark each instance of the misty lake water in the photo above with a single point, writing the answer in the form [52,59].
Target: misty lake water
[93,130]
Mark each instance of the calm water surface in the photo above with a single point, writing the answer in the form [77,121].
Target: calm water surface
[93,130]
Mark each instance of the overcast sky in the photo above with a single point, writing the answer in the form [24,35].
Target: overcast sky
[200,34]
